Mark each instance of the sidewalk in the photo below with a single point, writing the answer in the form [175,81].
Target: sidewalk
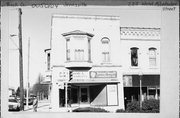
[43,106]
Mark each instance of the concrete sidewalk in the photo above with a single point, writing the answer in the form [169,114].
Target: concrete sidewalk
[43,106]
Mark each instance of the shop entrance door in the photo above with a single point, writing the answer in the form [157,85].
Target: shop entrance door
[84,95]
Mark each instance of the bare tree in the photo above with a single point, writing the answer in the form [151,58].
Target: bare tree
[40,90]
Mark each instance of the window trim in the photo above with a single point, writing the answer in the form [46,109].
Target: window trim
[106,41]
[155,50]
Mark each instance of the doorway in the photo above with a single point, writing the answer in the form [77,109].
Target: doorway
[84,95]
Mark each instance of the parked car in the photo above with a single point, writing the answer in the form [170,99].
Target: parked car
[30,101]
[14,105]
[33,96]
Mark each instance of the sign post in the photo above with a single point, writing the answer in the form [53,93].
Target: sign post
[66,94]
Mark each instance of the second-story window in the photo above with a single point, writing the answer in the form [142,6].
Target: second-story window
[105,49]
[134,56]
[152,56]
[79,55]
[68,49]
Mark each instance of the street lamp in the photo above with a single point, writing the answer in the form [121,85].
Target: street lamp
[140,86]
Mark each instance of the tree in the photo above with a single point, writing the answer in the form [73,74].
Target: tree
[40,90]
[18,92]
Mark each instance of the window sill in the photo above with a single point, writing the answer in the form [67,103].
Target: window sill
[78,61]
[106,63]
[134,67]
[153,67]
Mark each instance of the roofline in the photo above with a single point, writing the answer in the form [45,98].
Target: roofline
[47,49]
[155,28]
[83,16]
[77,33]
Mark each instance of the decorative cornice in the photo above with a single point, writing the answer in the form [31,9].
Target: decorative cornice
[140,33]
[77,32]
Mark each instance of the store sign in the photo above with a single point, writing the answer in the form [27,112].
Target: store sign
[80,75]
[104,80]
[63,76]
[103,74]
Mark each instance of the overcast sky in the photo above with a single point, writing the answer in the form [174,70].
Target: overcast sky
[36,25]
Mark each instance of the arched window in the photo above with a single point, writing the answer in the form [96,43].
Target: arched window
[105,49]
[134,56]
[152,56]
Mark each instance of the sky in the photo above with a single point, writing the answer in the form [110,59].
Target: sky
[36,26]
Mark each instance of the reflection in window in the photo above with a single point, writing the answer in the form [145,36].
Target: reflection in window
[106,49]
[152,56]
[79,54]
[134,56]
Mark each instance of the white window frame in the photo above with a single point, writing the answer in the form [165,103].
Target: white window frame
[106,53]
[151,58]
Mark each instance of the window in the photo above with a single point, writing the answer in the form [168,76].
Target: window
[134,56]
[68,54]
[67,50]
[106,56]
[105,49]
[152,56]
[48,61]
[79,54]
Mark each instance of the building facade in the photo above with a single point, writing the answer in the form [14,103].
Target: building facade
[93,61]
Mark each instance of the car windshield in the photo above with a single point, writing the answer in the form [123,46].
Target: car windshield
[12,100]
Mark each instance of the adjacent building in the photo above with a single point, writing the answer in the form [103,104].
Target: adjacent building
[93,61]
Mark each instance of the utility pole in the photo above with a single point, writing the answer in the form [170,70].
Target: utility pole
[27,89]
[66,94]
[21,62]
[140,88]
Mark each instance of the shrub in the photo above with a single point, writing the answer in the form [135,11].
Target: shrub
[151,105]
[89,109]
[133,107]
[148,106]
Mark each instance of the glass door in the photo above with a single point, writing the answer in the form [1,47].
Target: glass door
[84,95]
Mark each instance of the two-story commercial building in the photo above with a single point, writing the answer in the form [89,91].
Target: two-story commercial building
[94,62]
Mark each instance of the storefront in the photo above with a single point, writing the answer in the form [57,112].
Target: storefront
[88,88]
[102,94]
[93,66]
[150,85]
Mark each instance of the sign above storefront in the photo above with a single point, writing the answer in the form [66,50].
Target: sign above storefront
[94,80]
[63,76]
[103,74]
[80,75]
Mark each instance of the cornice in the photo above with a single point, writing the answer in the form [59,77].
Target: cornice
[140,33]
